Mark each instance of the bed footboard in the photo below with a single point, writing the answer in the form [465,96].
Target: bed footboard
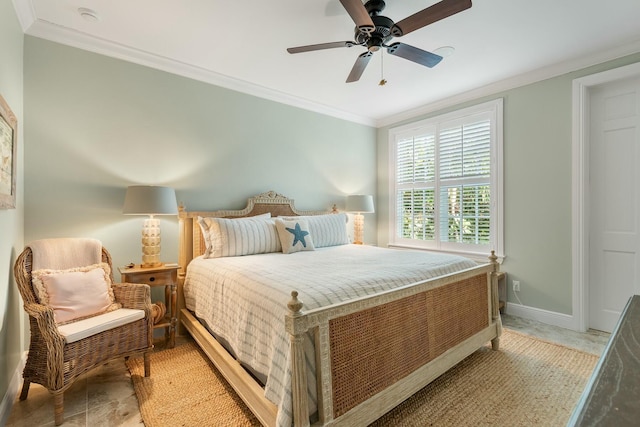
[375,352]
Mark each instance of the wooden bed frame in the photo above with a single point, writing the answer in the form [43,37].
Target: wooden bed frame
[372,353]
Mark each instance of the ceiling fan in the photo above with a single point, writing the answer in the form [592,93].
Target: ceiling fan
[374,31]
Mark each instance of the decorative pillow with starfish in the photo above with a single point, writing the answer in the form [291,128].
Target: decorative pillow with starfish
[294,235]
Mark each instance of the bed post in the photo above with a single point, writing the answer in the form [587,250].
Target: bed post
[296,325]
[185,240]
[185,254]
[495,303]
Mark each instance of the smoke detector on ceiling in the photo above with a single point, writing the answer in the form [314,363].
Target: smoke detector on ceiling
[445,51]
[88,14]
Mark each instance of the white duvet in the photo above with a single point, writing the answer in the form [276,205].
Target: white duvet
[244,299]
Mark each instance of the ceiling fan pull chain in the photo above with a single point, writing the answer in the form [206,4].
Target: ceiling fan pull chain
[382,80]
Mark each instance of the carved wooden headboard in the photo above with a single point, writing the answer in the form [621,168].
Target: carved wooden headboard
[191,243]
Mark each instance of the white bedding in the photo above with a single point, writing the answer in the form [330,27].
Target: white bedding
[244,299]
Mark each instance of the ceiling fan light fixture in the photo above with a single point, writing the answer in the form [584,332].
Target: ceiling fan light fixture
[88,14]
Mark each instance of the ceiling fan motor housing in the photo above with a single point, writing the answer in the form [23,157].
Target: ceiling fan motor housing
[379,37]
[374,7]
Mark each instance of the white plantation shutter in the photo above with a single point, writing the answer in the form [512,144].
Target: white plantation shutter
[424,147]
[415,162]
[447,182]
[415,159]
[465,150]
[404,158]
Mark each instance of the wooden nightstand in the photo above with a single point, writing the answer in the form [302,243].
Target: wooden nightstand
[167,276]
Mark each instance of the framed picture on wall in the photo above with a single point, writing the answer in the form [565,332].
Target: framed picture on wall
[8,153]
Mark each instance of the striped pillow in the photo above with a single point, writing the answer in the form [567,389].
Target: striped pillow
[327,230]
[241,236]
[206,235]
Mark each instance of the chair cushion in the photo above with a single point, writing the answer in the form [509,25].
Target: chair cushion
[75,331]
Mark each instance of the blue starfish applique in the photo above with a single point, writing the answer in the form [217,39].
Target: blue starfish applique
[299,234]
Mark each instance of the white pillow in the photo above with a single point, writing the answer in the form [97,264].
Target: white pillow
[75,293]
[241,236]
[327,230]
[294,235]
[206,234]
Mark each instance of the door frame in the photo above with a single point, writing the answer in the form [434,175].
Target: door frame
[580,190]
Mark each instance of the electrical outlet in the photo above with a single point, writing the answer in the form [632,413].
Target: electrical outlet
[516,286]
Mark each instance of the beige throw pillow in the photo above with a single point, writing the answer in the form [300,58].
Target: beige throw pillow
[75,293]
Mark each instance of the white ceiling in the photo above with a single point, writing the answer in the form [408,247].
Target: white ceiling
[242,45]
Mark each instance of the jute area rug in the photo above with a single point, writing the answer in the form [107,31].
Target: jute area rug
[528,382]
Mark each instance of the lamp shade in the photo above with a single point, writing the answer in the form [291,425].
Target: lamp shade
[360,203]
[150,200]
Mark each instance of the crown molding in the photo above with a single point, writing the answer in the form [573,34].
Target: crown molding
[25,12]
[514,82]
[63,35]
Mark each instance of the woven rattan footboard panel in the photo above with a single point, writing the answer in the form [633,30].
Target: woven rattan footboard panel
[373,348]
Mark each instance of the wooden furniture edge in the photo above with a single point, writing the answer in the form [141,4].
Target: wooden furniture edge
[169,322]
[243,384]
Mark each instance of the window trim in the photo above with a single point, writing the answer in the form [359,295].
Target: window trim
[495,109]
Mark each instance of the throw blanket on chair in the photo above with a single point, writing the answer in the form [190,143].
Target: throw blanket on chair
[65,253]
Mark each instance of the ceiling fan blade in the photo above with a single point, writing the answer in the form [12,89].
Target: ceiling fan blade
[359,66]
[414,54]
[427,16]
[359,14]
[321,46]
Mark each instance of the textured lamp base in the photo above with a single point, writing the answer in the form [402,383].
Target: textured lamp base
[151,243]
[358,228]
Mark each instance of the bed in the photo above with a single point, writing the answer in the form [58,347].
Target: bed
[331,357]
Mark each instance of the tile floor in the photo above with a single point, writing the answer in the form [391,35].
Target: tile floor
[105,396]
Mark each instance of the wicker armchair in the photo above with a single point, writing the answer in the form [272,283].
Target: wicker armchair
[56,364]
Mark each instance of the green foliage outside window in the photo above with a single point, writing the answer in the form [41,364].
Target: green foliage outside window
[466,219]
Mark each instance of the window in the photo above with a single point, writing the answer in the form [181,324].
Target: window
[446,182]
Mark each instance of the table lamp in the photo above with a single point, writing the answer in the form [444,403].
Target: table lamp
[150,200]
[359,204]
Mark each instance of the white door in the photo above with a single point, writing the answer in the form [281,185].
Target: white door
[614,200]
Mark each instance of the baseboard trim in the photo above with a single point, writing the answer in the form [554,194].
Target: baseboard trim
[566,321]
[12,391]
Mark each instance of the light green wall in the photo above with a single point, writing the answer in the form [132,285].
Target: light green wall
[537,186]
[12,322]
[96,125]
